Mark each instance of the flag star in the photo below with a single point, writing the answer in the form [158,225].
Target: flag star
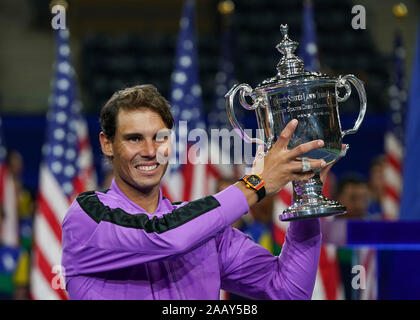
[8,262]
[395,104]
[177,94]
[186,114]
[180,77]
[59,134]
[196,90]
[70,154]
[393,91]
[64,33]
[58,150]
[64,67]
[67,187]
[62,101]
[63,84]
[184,22]
[56,167]
[311,48]
[64,50]
[69,171]
[61,117]
[185,61]
[188,44]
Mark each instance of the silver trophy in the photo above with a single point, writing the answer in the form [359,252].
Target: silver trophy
[312,98]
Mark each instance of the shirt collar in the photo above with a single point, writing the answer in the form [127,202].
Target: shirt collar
[114,188]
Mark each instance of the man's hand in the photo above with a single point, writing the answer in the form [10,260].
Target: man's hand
[280,165]
[324,171]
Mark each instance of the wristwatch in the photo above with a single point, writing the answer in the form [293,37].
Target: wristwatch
[255,182]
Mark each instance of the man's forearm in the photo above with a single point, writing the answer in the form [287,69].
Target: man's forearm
[251,195]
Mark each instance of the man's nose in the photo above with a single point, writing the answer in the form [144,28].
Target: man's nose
[149,149]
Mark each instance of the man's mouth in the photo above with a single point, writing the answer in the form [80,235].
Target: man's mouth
[146,168]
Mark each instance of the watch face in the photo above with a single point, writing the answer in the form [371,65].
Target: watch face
[254,180]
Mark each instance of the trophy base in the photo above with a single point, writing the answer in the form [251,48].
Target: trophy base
[318,209]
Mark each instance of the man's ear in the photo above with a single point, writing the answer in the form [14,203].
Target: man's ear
[106,145]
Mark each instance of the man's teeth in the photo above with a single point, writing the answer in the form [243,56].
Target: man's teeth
[147,168]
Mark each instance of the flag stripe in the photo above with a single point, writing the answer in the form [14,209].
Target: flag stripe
[40,290]
[393,144]
[329,274]
[46,271]
[394,195]
[47,242]
[285,196]
[394,162]
[49,216]
[50,190]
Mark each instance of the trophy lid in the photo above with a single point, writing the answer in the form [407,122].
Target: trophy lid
[290,65]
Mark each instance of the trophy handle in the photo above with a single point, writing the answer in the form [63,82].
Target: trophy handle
[344,82]
[244,90]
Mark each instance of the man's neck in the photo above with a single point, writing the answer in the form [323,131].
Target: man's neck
[148,199]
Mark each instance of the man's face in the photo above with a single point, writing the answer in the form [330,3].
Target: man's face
[138,148]
[377,178]
[355,198]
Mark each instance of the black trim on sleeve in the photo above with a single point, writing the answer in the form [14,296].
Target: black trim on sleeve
[94,208]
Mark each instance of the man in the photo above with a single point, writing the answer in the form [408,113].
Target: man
[130,242]
[353,193]
[376,185]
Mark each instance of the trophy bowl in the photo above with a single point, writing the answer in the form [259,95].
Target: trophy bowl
[313,99]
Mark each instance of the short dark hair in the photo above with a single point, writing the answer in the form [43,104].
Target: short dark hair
[350,178]
[134,98]
[378,160]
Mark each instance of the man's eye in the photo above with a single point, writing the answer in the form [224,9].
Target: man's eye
[134,139]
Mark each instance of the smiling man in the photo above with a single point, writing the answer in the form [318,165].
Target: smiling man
[130,242]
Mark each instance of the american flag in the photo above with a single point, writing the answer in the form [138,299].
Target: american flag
[394,136]
[224,80]
[217,117]
[66,170]
[308,49]
[185,180]
[8,200]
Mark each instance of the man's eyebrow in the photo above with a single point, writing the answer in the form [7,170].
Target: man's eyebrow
[132,135]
